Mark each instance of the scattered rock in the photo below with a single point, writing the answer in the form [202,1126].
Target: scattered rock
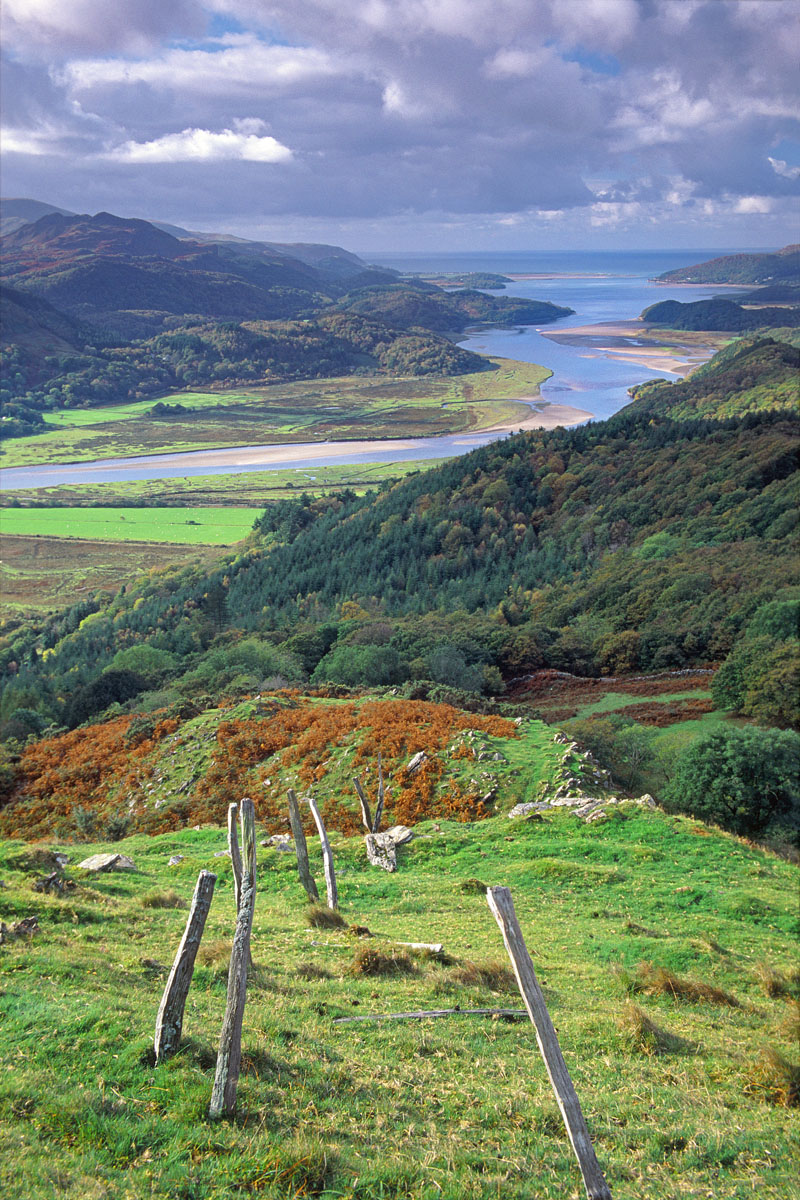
[176,858]
[224,853]
[108,862]
[400,834]
[416,762]
[532,806]
[27,927]
[381,851]
[53,883]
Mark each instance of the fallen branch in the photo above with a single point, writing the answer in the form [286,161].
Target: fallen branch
[509,1014]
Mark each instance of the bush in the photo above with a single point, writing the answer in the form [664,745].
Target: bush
[741,779]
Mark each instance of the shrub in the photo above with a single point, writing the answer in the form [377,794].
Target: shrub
[741,779]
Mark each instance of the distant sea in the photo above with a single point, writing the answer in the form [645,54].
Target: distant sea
[601,285]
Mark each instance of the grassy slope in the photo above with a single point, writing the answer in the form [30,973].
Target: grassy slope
[350,407]
[458,1108]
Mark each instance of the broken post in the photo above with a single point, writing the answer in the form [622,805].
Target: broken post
[301,848]
[327,855]
[502,906]
[169,1021]
[229,1055]
[233,850]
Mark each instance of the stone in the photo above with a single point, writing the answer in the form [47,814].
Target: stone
[108,862]
[416,762]
[531,806]
[176,858]
[400,834]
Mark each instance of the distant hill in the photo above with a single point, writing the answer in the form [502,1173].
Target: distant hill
[406,305]
[740,268]
[717,314]
[14,213]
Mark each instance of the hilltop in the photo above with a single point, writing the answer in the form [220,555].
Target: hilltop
[782,266]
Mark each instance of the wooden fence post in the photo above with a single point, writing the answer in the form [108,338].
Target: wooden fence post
[502,906]
[327,856]
[233,849]
[301,848]
[366,815]
[376,828]
[169,1021]
[229,1055]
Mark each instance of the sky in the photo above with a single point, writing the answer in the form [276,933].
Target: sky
[402,125]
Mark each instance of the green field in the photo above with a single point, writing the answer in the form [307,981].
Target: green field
[195,526]
[682,1097]
[352,408]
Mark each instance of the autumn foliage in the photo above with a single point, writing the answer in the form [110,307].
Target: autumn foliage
[299,743]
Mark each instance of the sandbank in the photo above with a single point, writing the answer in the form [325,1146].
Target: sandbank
[645,345]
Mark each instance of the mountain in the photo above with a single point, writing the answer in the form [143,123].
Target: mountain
[14,213]
[740,268]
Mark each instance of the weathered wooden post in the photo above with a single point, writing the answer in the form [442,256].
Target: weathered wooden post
[376,828]
[327,855]
[366,815]
[229,1055]
[233,850]
[169,1021]
[301,848]
[502,906]
[371,825]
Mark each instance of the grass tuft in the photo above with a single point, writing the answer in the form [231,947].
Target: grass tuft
[321,917]
[371,961]
[774,1079]
[492,974]
[473,887]
[644,1035]
[658,981]
[216,953]
[775,983]
[310,971]
[166,899]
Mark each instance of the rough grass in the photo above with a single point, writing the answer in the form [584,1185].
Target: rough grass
[375,961]
[163,899]
[458,1108]
[645,1036]
[660,981]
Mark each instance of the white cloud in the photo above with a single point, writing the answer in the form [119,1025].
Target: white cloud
[227,67]
[780,167]
[753,204]
[201,145]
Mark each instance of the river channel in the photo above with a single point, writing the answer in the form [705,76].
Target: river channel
[588,379]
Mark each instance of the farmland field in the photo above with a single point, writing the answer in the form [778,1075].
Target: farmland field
[39,573]
[351,407]
[192,526]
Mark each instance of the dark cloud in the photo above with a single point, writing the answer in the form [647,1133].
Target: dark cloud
[623,110]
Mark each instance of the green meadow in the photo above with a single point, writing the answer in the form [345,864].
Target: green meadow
[194,526]
[682,1065]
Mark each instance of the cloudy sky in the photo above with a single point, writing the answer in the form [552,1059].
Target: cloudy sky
[413,124]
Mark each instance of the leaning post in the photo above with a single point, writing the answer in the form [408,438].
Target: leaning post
[301,848]
[235,853]
[229,1055]
[502,906]
[327,855]
[169,1022]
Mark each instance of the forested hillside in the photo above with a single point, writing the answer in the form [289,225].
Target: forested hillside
[718,314]
[641,543]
